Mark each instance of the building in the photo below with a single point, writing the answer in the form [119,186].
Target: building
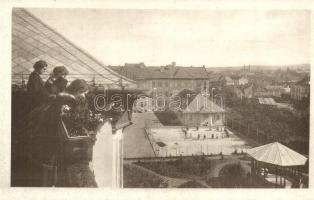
[203,112]
[33,40]
[301,89]
[167,79]
[267,101]
[244,91]
[226,80]
[269,91]
[242,81]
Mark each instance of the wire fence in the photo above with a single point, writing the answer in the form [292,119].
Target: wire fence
[250,130]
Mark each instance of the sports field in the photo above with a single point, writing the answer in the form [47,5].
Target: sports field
[166,140]
[172,142]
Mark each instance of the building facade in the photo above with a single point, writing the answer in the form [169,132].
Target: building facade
[300,90]
[166,80]
[203,112]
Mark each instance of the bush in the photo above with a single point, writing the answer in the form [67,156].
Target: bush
[192,184]
[232,176]
[180,168]
[134,177]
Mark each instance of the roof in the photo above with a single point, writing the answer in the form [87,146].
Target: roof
[267,101]
[228,78]
[277,154]
[214,77]
[182,93]
[139,71]
[201,104]
[235,77]
[134,65]
[190,73]
[32,40]
[245,86]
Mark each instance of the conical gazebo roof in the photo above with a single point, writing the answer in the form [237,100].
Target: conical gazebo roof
[277,154]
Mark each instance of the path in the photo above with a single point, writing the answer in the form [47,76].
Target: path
[136,143]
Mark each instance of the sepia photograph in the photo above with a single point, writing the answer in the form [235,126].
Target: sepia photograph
[155,98]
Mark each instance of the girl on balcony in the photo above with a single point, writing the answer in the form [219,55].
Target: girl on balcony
[37,93]
[57,82]
[49,163]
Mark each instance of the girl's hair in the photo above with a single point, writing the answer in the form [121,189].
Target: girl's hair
[77,85]
[60,70]
[40,65]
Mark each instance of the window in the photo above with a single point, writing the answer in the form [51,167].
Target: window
[159,84]
[154,84]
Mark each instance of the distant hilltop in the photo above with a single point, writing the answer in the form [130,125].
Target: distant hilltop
[298,67]
[303,67]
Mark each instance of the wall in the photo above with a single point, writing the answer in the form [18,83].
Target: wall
[117,153]
[169,86]
[195,119]
[103,156]
[107,158]
[298,92]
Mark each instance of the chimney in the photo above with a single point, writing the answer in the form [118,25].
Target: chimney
[162,68]
[142,65]
[172,68]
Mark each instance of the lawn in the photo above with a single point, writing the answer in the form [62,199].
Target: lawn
[134,177]
[179,168]
[216,171]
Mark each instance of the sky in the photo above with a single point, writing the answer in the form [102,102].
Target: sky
[187,37]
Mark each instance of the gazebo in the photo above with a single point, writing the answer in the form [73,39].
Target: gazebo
[278,157]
